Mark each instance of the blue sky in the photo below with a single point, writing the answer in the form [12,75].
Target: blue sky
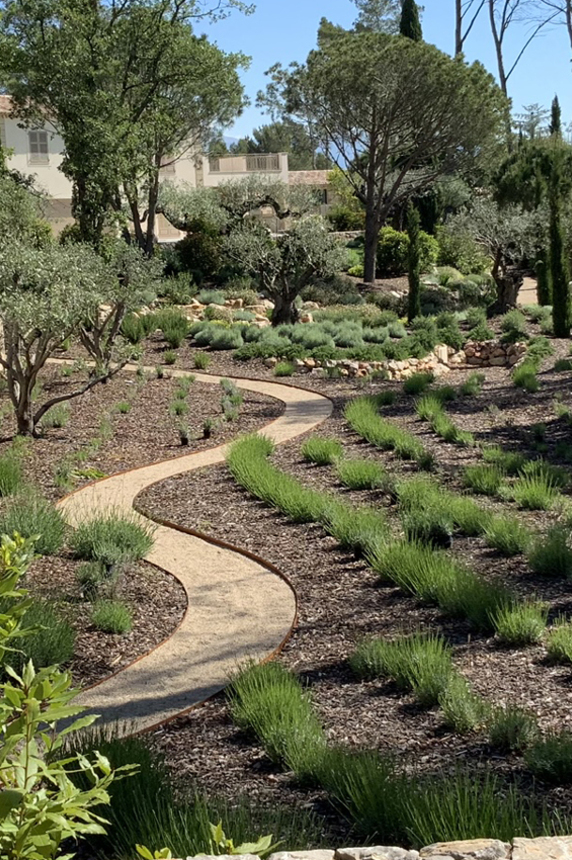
[285,30]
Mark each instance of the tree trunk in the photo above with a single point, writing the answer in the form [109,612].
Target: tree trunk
[25,411]
[508,283]
[458,27]
[285,310]
[370,248]
[153,198]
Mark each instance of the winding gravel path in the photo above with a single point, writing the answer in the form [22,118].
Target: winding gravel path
[238,607]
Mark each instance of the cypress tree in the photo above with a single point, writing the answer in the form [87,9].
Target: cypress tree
[555,118]
[559,273]
[543,280]
[410,25]
[414,263]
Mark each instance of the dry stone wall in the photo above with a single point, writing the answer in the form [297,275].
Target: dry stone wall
[542,848]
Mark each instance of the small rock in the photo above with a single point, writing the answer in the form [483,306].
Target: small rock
[319,854]
[310,362]
[441,352]
[306,318]
[270,362]
[375,852]
[474,849]
[543,848]
[308,306]
[499,361]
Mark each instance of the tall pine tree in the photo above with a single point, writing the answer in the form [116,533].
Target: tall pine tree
[414,263]
[555,118]
[410,25]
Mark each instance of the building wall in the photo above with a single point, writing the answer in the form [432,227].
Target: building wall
[48,178]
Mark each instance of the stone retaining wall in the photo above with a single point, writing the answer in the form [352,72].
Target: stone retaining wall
[542,848]
[439,362]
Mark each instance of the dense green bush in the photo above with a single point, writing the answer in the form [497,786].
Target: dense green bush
[417,383]
[460,251]
[201,254]
[211,297]
[173,325]
[226,338]
[50,641]
[112,616]
[392,251]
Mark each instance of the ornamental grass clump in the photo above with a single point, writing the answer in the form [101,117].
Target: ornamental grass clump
[551,555]
[550,759]
[509,462]
[321,451]
[361,530]
[559,641]
[11,473]
[511,729]
[473,384]
[421,662]
[444,427]
[173,325]
[56,417]
[432,526]
[534,492]
[111,538]
[47,639]
[463,709]
[33,516]
[112,616]
[521,623]
[483,479]
[363,416]
[417,383]
[271,702]
[363,475]
[524,376]
[508,535]
[429,407]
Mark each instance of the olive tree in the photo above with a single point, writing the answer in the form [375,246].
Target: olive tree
[284,266]
[397,114]
[48,294]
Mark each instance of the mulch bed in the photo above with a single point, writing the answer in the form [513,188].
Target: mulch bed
[341,600]
[146,434]
[157,601]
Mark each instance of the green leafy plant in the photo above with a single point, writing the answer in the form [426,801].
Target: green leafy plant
[559,641]
[509,462]
[221,844]
[124,407]
[169,356]
[284,368]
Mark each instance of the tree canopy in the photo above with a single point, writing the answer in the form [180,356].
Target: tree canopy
[128,86]
[395,113]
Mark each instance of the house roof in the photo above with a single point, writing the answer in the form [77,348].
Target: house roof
[308,177]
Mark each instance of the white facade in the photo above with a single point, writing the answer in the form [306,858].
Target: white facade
[39,153]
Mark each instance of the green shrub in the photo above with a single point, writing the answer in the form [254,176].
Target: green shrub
[481,332]
[50,641]
[123,407]
[417,383]
[484,479]
[111,538]
[178,408]
[524,376]
[508,535]
[112,616]
[132,328]
[432,526]
[559,641]
[393,249]
[58,416]
[421,662]
[211,297]
[550,759]
[226,338]
[514,323]
[442,425]
[555,475]
[11,473]
[473,384]
[91,577]
[321,451]
[33,515]
[362,415]
[363,475]
[361,530]
[562,365]
[284,368]
[174,326]
[551,555]
[170,356]
[539,347]
[429,407]
[534,492]
[521,623]
[463,710]
[512,730]
[201,360]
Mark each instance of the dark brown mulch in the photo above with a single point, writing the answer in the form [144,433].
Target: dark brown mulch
[156,599]
[341,600]
[146,434]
